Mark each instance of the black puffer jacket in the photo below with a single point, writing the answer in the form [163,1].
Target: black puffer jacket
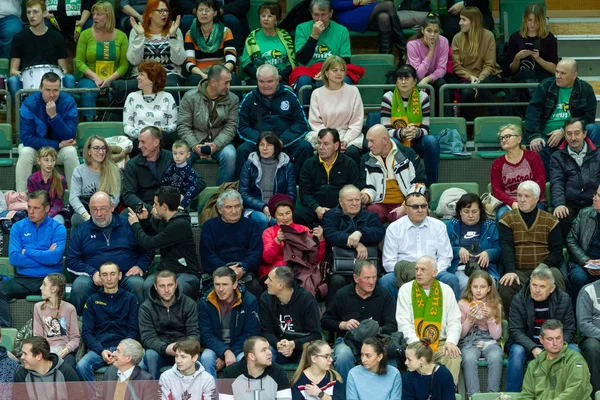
[572,185]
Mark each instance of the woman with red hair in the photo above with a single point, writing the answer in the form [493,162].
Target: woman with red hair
[150,105]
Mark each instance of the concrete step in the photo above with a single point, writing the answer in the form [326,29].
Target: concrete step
[579,45]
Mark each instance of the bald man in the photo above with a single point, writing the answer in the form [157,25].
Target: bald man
[391,172]
[555,101]
[106,236]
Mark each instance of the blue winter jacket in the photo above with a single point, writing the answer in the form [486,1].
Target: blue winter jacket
[490,242]
[250,175]
[37,261]
[108,319]
[39,130]
[244,322]
[281,113]
[90,247]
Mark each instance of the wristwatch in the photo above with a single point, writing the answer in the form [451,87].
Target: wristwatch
[321,394]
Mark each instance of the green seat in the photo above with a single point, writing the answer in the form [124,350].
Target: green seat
[493,396]
[252,14]
[34,298]
[104,129]
[438,124]
[5,268]
[204,196]
[597,396]
[376,67]
[486,135]
[6,144]
[8,338]
[458,396]
[436,190]
[289,366]
[5,67]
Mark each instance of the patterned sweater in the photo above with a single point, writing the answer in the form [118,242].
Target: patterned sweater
[162,49]
[160,111]
[185,179]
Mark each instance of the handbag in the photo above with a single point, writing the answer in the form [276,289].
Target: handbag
[491,205]
[344,259]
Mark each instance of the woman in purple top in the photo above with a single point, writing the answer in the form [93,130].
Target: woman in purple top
[49,180]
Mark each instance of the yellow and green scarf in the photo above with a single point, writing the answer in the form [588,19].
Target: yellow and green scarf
[254,51]
[401,116]
[428,312]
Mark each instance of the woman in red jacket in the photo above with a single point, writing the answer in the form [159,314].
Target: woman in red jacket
[281,208]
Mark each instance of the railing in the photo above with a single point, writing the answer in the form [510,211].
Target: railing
[7,109]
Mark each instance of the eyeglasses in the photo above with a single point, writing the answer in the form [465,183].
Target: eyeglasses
[205,10]
[417,206]
[325,356]
[96,210]
[162,11]
[506,137]
[98,149]
[404,78]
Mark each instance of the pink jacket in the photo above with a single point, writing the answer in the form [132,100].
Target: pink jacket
[417,57]
[491,326]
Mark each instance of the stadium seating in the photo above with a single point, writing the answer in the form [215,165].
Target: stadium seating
[438,124]
[436,190]
[486,134]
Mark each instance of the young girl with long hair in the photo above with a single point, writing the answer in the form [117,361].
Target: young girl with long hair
[481,311]
[56,320]
[425,379]
[49,180]
[314,374]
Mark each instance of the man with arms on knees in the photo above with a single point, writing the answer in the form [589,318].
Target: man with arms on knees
[273,107]
[574,174]
[322,177]
[208,118]
[417,313]
[289,316]
[144,172]
[528,237]
[411,237]
[530,308]
[257,372]
[105,237]
[170,231]
[43,371]
[165,317]
[558,372]
[588,323]
[48,118]
[232,240]
[555,101]
[36,247]
[228,316]
[348,226]
[187,379]
[130,381]
[109,316]
[356,302]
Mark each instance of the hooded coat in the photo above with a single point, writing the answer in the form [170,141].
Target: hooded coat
[58,375]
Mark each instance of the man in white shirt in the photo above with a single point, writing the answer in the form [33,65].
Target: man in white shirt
[411,237]
[416,321]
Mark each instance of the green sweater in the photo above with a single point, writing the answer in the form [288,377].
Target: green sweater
[566,377]
[334,41]
[88,50]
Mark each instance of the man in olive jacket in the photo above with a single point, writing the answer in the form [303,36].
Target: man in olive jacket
[558,372]
[208,119]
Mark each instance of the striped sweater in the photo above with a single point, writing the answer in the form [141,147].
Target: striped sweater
[197,58]
[386,114]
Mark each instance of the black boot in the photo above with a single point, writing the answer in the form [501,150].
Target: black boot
[399,39]
[385,42]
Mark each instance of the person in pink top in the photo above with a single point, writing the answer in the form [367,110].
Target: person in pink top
[281,208]
[516,166]
[481,318]
[427,51]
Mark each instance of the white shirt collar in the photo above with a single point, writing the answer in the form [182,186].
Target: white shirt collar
[125,375]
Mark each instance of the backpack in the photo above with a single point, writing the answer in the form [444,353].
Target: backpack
[24,333]
[451,142]
[395,346]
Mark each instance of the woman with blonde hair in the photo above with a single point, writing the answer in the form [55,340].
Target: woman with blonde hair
[97,173]
[474,57]
[425,379]
[516,166]
[49,180]
[337,105]
[314,374]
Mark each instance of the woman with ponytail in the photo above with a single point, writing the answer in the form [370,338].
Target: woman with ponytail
[315,376]
[56,320]
[374,379]
[49,180]
[425,378]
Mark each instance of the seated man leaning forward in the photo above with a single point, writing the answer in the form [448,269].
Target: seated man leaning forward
[418,314]
[528,237]
[411,237]
[105,237]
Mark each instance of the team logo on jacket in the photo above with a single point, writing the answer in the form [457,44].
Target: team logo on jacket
[285,105]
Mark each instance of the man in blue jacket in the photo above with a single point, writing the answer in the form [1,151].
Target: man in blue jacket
[109,316]
[105,237]
[37,244]
[273,107]
[228,316]
[48,118]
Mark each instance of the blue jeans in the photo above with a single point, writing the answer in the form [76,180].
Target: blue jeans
[15,84]
[153,362]
[593,132]
[517,357]
[9,27]
[261,220]
[307,80]
[188,284]
[226,158]
[388,281]
[579,277]
[208,359]
[343,358]
[495,358]
[88,99]
[89,363]
[84,287]
[278,358]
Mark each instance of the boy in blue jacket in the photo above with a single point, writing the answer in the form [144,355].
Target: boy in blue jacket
[37,244]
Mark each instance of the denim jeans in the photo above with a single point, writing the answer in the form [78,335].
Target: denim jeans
[84,287]
[89,363]
[15,84]
[88,99]
[188,284]
[16,288]
[579,277]
[153,362]
[388,281]
[492,353]
[261,220]
[226,158]
[9,27]
[208,359]
[343,358]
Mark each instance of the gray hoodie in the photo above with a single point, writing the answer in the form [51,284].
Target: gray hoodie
[50,386]
[200,385]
